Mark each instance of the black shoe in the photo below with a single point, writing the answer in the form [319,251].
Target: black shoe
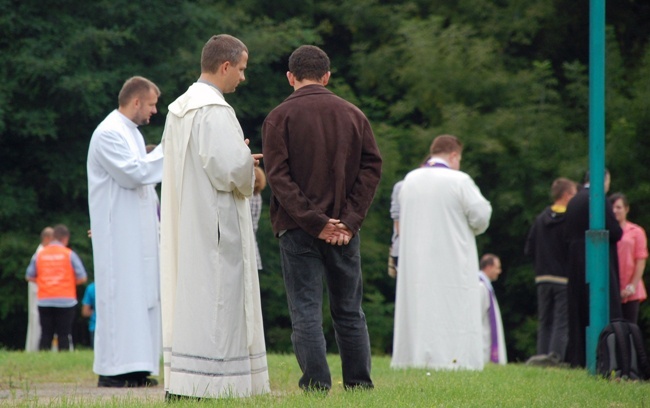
[121,381]
[358,386]
[139,379]
[146,382]
[317,388]
[112,381]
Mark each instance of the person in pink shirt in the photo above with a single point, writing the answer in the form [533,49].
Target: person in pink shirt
[632,255]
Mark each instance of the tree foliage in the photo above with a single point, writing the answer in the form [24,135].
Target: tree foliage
[509,77]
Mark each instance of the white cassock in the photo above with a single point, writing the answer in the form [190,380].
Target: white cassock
[437,313]
[213,336]
[499,347]
[33,339]
[124,221]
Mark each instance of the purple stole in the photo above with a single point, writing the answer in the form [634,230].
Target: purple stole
[431,163]
[494,339]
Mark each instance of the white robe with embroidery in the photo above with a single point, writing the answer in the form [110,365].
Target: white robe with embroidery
[486,290]
[122,201]
[213,337]
[437,313]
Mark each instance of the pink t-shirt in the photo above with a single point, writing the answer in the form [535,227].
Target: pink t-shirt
[632,246]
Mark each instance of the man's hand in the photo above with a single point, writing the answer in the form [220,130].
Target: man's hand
[335,233]
[257,157]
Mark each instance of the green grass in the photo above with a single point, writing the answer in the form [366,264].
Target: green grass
[515,385]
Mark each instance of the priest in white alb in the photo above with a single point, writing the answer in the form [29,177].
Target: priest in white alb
[213,337]
[437,311]
[123,206]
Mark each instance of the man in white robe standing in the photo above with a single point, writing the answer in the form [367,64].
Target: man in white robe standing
[494,342]
[437,312]
[33,339]
[213,336]
[124,222]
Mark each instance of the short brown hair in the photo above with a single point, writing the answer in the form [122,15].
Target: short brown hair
[47,233]
[560,186]
[219,49]
[309,62]
[61,232]
[487,260]
[445,144]
[135,87]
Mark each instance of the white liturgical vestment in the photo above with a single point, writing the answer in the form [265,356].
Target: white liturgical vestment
[33,340]
[123,207]
[437,312]
[213,336]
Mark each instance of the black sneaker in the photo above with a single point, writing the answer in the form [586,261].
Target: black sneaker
[544,360]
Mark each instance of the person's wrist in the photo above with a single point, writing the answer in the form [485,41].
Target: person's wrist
[630,288]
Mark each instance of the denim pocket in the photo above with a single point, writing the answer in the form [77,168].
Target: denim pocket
[296,242]
[351,250]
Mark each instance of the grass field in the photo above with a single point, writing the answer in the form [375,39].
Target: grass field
[68,379]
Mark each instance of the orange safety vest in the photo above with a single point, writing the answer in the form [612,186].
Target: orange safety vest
[54,273]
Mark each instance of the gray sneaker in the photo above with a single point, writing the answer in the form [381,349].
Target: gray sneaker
[544,360]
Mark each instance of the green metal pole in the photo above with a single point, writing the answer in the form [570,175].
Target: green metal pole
[597,242]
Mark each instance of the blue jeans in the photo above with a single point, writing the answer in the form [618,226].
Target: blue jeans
[306,262]
[552,311]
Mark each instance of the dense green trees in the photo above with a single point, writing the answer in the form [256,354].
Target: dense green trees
[508,77]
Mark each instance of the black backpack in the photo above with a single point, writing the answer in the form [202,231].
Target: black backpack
[621,353]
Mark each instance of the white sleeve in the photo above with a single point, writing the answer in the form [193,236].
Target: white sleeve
[477,209]
[123,165]
[224,155]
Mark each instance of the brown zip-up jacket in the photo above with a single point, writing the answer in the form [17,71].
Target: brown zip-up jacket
[321,161]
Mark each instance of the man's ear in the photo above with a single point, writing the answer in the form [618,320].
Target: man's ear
[326,78]
[291,78]
[223,68]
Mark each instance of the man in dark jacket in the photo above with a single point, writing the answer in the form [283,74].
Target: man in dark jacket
[576,224]
[545,244]
[323,167]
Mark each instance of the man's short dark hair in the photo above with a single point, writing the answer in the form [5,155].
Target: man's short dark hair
[219,49]
[309,62]
[487,260]
[445,144]
[560,186]
[61,232]
[586,179]
[135,87]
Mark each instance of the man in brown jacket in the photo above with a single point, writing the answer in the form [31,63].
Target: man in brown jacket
[323,167]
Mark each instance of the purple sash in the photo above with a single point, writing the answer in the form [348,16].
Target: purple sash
[492,315]
[436,164]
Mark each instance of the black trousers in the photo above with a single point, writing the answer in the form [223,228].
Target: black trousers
[56,320]
[631,311]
